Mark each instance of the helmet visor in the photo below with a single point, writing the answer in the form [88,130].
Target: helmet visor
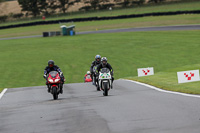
[50,65]
[104,62]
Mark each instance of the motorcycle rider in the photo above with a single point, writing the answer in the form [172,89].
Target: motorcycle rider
[95,63]
[105,64]
[88,73]
[52,67]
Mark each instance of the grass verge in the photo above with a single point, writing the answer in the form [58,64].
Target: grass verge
[108,24]
[168,80]
[23,61]
[1,90]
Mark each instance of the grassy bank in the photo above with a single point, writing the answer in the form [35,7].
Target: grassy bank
[108,24]
[165,7]
[23,61]
[168,80]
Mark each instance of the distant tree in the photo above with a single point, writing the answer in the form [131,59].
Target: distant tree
[18,15]
[1,1]
[49,7]
[94,4]
[90,4]
[65,4]
[33,6]
[156,1]
[138,2]
[124,3]
[3,18]
[85,8]
[105,4]
[44,7]
[52,6]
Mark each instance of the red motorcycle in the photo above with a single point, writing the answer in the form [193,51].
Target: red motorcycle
[54,83]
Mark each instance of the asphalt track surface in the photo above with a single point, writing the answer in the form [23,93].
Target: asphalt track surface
[129,108]
[161,28]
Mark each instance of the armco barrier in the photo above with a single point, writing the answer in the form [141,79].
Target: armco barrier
[52,33]
[100,18]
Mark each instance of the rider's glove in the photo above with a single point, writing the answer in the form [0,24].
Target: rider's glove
[45,76]
[61,73]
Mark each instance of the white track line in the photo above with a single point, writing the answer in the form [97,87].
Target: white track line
[161,90]
[3,92]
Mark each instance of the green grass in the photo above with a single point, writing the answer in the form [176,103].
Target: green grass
[108,24]
[1,90]
[168,80]
[175,6]
[23,61]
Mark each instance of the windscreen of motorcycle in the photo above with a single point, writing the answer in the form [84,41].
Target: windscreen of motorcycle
[53,74]
[104,70]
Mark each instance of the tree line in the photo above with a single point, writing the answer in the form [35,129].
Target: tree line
[47,7]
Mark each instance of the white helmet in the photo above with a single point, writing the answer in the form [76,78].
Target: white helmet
[88,72]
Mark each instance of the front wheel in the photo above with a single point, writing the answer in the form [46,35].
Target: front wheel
[105,86]
[54,93]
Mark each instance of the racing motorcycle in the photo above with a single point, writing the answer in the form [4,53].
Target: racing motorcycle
[54,83]
[104,81]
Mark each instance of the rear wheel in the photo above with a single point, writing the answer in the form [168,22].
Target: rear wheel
[54,92]
[105,85]
[61,88]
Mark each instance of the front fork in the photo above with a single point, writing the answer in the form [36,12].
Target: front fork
[100,82]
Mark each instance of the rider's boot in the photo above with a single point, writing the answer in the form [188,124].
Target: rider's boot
[48,87]
[95,81]
[61,89]
[112,83]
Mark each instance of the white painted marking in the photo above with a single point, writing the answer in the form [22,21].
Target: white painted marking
[188,76]
[145,71]
[3,92]
[161,90]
